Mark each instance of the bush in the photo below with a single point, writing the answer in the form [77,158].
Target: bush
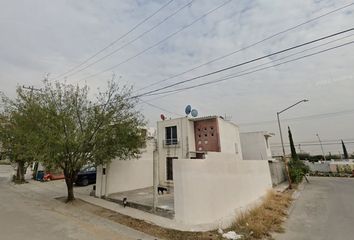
[297,170]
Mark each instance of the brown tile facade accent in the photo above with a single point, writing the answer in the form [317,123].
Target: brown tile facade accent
[207,135]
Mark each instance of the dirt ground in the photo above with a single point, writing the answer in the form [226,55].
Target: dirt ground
[143,226]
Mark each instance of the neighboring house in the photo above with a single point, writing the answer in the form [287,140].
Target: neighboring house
[193,138]
[255,145]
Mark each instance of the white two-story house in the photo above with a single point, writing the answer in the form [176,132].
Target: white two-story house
[193,138]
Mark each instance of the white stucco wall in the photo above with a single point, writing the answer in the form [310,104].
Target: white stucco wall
[186,143]
[125,175]
[229,138]
[212,191]
[254,146]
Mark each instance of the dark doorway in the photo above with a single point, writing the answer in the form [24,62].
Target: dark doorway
[169,167]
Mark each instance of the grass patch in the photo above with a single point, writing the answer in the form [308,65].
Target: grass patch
[261,221]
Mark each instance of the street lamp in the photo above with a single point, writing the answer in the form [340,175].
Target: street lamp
[281,137]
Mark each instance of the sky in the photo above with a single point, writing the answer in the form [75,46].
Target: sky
[42,38]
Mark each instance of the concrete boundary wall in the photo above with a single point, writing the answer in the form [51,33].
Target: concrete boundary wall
[318,166]
[277,171]
[125,175]
[211,191]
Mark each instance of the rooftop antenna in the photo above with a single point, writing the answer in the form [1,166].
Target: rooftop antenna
[194,113]
[188,109]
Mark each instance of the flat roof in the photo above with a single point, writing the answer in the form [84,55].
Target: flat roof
[203,118]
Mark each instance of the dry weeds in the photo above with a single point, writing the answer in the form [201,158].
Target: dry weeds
[261,221]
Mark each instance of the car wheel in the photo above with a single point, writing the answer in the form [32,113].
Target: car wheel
[85,182]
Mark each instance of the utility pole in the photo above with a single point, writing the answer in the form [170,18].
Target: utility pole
[324,156]
[282,141]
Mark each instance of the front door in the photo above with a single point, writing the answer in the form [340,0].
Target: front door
[169,168]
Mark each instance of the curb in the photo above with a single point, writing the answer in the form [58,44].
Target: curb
[296,194]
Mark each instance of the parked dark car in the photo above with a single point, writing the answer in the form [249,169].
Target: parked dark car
[86,176]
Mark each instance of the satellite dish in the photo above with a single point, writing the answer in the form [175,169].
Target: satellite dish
[194,113]
[188,109]
[162,117]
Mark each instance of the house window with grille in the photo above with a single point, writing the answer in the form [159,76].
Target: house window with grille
[171,135]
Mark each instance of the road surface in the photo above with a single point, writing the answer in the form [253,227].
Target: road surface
[324,210]
[29,211]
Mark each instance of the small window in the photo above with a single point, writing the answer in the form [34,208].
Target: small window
[171,135]
[199,135]
[205,135]
[199,129]
[212,134]
[212,128]
[205,129]
[205,142]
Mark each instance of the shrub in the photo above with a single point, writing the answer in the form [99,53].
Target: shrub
[297,170]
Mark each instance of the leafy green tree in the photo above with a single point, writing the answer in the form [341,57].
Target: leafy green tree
[18,140]
[345,153]
[79,131]
[74,129]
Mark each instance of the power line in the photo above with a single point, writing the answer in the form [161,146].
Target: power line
[247,73]
[308,117]
[178,90]
[263,64]
[248,46]
[159,42]
[117,40]
[133,40]
[313,144]
[315,141]
[162,109]
[151,93]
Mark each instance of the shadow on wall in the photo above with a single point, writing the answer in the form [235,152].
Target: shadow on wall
[210,191]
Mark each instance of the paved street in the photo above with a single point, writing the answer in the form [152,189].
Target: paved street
[324,210]
[29,211]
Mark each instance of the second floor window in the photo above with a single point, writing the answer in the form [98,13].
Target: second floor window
[171,135]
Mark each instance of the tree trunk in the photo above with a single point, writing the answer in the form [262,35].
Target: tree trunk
[70,187]
[70,177]
[20,173]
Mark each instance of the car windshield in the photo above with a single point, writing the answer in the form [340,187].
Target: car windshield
[89,169]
